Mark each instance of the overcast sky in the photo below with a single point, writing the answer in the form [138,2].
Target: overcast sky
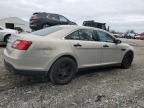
[119,14]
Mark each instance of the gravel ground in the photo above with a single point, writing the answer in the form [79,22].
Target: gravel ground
[100,88]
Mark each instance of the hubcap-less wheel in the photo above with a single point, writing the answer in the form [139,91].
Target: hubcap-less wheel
[63,70]
[127,60]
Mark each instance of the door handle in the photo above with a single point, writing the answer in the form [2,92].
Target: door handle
[105,45]
[77,45]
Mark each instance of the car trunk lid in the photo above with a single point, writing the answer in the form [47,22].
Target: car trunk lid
[14,38]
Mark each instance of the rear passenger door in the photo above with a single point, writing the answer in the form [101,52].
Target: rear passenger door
[86,47]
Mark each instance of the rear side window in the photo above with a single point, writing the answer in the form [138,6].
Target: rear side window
[73,36]
[62,19]
[47,31]
[53,17]
[86,35]
[83,34]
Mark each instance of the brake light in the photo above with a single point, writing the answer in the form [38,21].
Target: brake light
[36,17]
[21,44]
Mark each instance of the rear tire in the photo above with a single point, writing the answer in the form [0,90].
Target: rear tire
[63,71]
[127,60]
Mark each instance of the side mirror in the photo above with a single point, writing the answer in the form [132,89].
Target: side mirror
[117,41]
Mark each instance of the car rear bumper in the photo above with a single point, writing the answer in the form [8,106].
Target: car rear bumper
[12,69]
[23,65]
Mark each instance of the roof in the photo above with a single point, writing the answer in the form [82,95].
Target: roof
[92,21]
[45,13]
[79,27]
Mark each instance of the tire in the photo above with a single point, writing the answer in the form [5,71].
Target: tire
[6,38]
[45,26]
[63,71]
[127,60]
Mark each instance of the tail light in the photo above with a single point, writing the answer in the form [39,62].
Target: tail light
[21,44]
[36,17]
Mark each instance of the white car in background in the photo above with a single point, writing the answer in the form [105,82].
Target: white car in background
[6,33]
[59,52]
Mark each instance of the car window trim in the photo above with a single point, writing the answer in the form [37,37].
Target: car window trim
[97,36]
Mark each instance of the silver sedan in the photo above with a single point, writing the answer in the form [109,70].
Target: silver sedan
[59,52]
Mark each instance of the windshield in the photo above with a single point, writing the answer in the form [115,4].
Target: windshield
[47,31]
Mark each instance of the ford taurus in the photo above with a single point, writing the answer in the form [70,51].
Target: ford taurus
[59,52]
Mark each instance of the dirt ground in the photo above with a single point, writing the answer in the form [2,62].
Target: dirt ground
[100,88]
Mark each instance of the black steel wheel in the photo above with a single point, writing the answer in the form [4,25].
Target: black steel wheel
[63,71]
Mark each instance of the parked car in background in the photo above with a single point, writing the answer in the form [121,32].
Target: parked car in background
[92,23]
[118,35]
[130,36]
[19,29]
[59,51]
[41,20]
[141,37]
[6,33]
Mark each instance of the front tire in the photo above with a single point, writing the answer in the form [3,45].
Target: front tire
[63,71]
[127,60]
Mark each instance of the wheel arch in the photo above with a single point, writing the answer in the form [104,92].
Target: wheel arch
[5,36]
[69,56]
[57,58]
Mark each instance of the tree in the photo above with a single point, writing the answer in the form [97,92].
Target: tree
[132,31]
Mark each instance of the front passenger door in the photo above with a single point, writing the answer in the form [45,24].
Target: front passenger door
[111,52]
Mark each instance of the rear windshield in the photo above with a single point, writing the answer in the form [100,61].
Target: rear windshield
[47,31]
